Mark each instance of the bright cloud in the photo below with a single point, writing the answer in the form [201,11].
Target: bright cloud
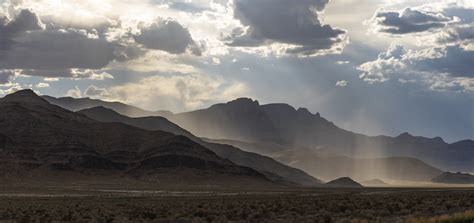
[177,93]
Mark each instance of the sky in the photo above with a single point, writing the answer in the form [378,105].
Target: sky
[370,66]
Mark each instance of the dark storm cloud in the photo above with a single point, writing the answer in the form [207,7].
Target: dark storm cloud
[44,50]
[24,21]
[167,35]
[452,60]
[6,76]
[448,68]
[466,15]
[461,31]
[57,49]
[280,21]
[408,21]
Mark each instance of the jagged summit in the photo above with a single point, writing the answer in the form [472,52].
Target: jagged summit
[26,95]
[239,104]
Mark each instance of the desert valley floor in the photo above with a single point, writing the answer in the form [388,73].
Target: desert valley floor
[92,204]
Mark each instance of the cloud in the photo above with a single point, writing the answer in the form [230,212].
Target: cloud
[446,63]
[167,35]
[216,61]
[11,88]
[6,76]
[42,85]
[341,83]
[192,7]
[440,68]
[292,26]
[70,73]
[50,79]
[461,34]
[177,93]
[408,21]
[341,62]
[25,20]
[57,49]
[96,92]
[155,61]
[75,93]
[387,63]
[39,49]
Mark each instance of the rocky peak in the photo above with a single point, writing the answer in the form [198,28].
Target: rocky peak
[243,102]
[239,104]
[304,111]
[405,136]
[279,108]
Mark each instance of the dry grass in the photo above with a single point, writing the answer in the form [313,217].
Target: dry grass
[463,217]
[351,206]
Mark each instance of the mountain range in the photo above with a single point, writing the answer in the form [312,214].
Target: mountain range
[39,140]
[300,130]
[266,165]
[300,139]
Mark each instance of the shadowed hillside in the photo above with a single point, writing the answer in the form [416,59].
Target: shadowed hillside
[271,168]
[281,131]
[454,178]
[40,140]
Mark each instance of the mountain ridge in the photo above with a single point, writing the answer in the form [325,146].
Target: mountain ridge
[246,120]
[38,139]
[261,163]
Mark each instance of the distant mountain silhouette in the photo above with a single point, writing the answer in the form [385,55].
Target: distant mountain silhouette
[374,182]
[76,104]
[281,126]
[327,165]
[43,141]
[271,168]
[454,178]
[344,182]
[292,128]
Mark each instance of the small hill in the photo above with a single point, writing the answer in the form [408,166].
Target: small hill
[374,182]
[454,178]
[345,182]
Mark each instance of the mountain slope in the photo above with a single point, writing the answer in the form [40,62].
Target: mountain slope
[271,168]
[454,178]
[288,127]
[39,139]
[76,104]
[284,127]
[328,166]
